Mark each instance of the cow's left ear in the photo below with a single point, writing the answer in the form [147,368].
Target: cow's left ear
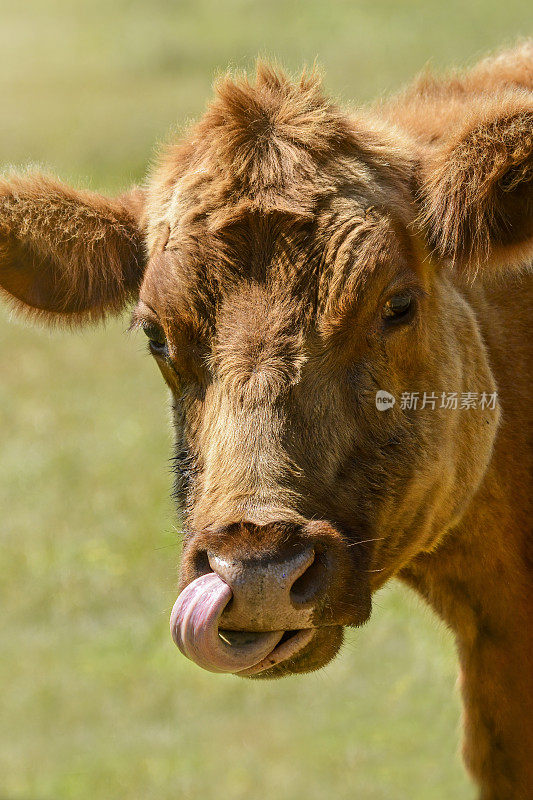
[476,186]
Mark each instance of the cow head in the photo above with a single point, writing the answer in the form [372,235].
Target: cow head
[291,263]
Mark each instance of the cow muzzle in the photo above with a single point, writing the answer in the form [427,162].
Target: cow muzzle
[253,596]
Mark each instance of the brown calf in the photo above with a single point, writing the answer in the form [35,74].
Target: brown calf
[341,307]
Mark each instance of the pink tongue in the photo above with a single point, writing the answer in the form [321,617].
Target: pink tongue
[194,627]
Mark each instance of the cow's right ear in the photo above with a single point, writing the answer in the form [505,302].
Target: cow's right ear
[68,256]
[477,186]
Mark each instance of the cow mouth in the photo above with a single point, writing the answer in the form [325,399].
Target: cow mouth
[194,623]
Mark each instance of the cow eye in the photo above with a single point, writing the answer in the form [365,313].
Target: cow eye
[398,308]
[157,341]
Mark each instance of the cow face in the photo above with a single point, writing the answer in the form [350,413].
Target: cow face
[292,302]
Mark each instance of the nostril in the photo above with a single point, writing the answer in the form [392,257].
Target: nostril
[201,563]
[308,585]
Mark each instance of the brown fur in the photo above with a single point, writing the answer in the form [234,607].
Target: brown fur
[67,255]
[275,233]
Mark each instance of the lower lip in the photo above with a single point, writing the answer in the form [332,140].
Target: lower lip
[282,652]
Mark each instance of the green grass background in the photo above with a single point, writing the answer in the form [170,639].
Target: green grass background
[96,701]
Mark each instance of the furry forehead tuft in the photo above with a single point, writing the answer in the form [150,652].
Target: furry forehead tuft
[274,115]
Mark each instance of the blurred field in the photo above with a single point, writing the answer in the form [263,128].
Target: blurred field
[96,702]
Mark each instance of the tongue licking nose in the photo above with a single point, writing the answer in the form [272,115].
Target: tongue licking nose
[267,621]
[194,626]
